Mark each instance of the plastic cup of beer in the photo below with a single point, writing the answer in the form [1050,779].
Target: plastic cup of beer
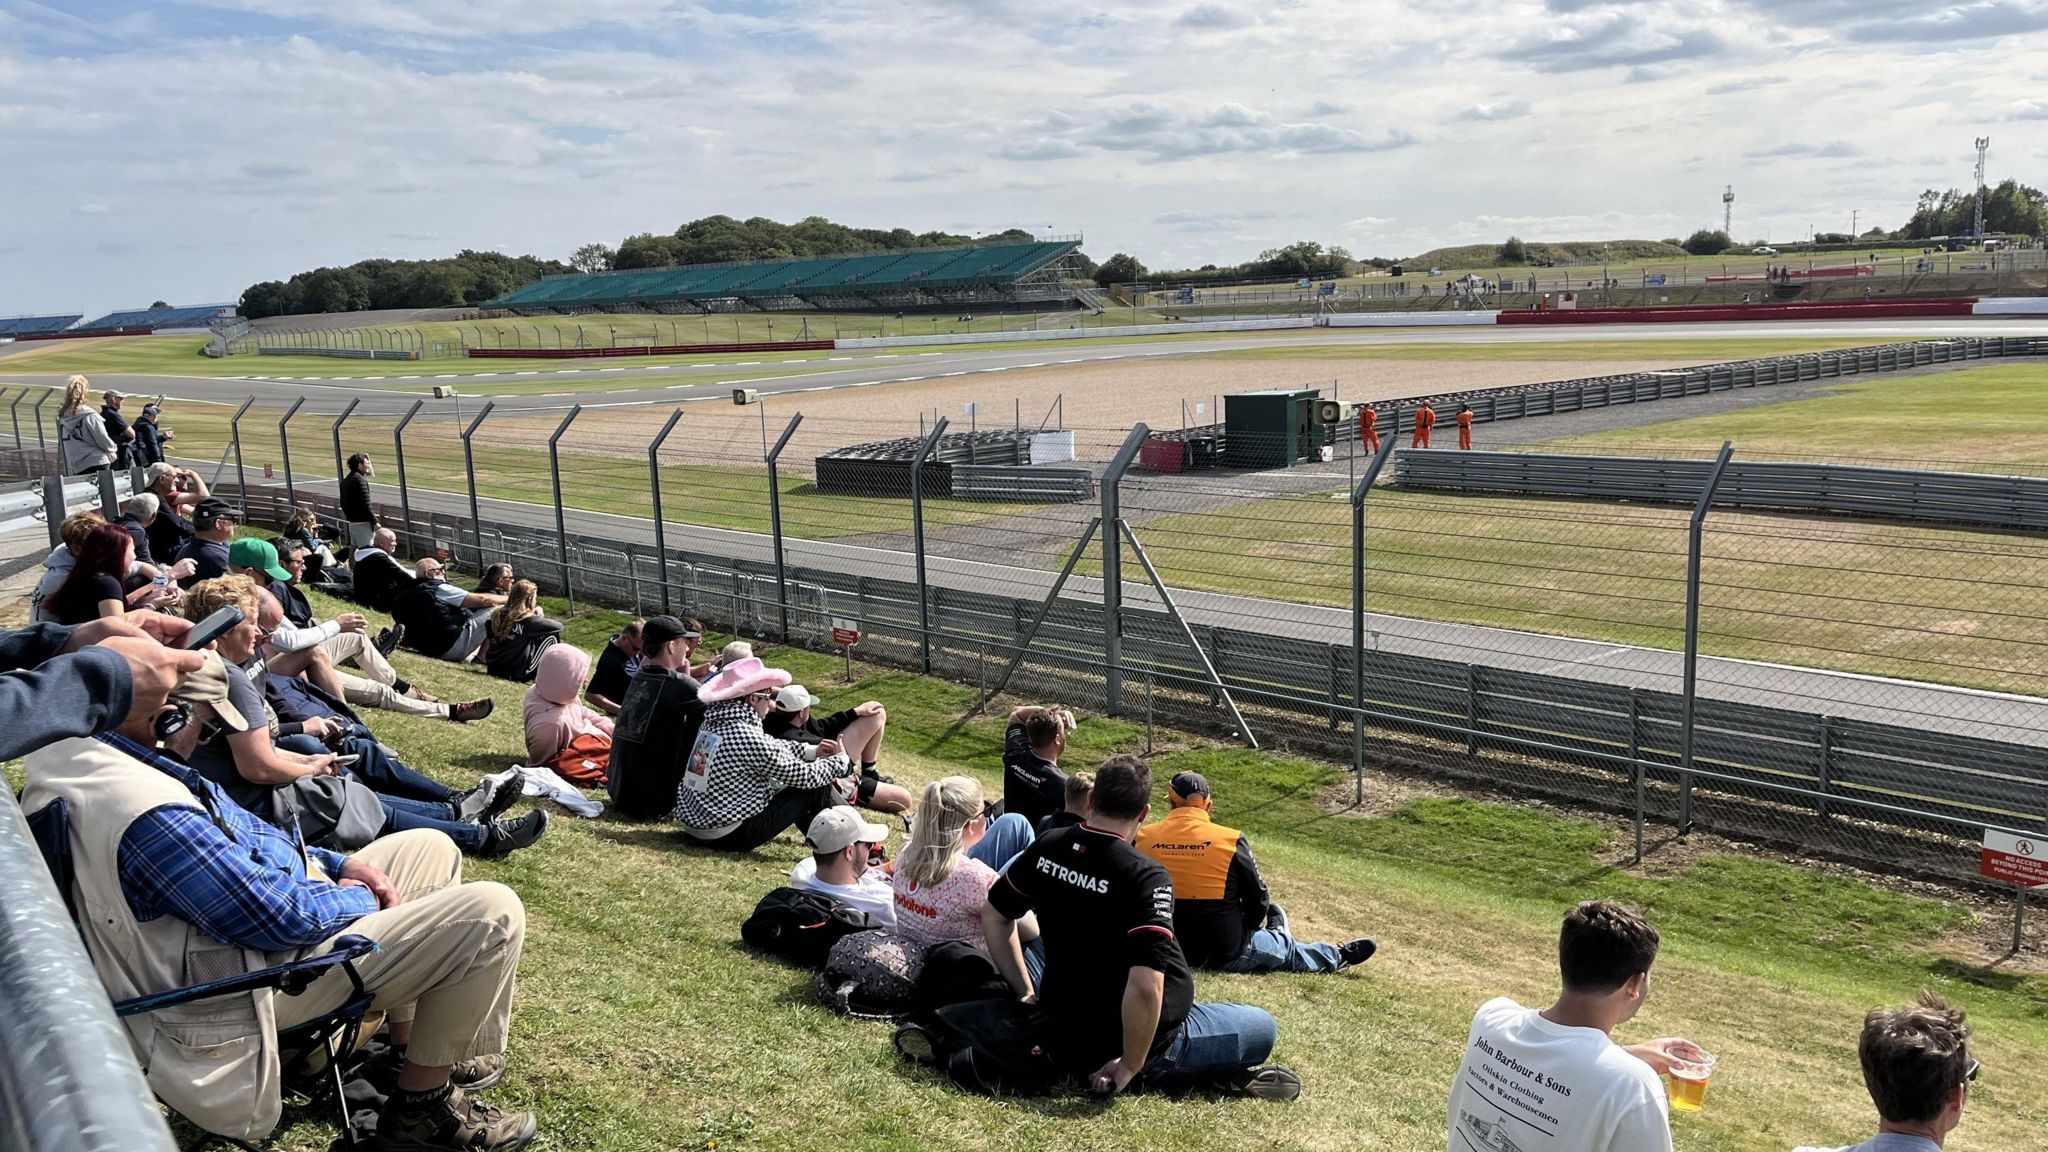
[1689,1076]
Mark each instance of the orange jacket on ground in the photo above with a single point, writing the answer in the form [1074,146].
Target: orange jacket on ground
[1219,898]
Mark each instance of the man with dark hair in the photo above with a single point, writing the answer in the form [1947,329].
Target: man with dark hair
[1918,1068]
[213,524]
[1033,785]
[1222,912]
[117,428]
[1116,1006]
[1557,1073]
[355,501]
[657,724]
[619,662]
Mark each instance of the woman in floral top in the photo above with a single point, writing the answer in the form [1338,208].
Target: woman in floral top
[953,856]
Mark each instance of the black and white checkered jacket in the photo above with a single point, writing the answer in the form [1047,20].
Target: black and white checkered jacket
[735,769]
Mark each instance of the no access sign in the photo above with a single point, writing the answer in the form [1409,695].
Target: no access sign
[2020,860]
[846,632]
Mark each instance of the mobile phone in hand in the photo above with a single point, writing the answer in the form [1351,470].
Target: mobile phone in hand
[212,628]
[348,761]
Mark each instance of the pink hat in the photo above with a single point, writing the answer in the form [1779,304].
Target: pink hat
[740,678]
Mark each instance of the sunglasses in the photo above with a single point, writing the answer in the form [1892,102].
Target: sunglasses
[1970,1077]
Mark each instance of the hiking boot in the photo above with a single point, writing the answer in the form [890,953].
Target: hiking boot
[478,1072]
[914,1043]
[491,798]
[388,639]
[1267,1082]
[504,837]
[1276,918]
[469,710]
[1355,953]
[455,1124]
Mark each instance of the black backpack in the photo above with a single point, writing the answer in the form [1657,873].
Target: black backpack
[801,927]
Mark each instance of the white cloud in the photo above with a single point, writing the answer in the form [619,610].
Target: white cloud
[1501,110]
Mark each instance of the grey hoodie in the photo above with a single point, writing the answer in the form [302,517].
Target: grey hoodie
[86,443]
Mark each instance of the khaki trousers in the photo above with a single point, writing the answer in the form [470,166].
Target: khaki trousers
[448,954]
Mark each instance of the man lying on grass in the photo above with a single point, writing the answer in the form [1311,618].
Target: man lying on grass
[1117,1006]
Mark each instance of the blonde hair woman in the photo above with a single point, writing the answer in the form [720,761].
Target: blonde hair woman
[518,635]
[952,859]
[82,432]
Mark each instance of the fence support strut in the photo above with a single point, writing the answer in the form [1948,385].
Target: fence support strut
[476,516]
[989,692]
[1243,729]
[924,591]
[235,438]
[775,524]
[1113,569]
[404,493]
[561,518]
[1358,495]
[1695,534]
[339,469]
[284,444]
[661,529]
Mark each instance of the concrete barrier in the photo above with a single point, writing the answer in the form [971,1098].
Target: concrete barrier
[1265,324]
[342,353]
[1406,319]
[2011,306]
[649,350]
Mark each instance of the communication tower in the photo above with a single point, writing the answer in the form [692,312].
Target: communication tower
[1728,210]
[1983,146]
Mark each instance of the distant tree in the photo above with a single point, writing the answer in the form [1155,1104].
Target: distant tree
[1514,251]
[1832,238]
[1121,268]
[1671,240]
[591,258]
[1706,242]
[1875,234]
[159,304]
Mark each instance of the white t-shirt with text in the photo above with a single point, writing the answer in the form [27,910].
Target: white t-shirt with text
[1528,1085]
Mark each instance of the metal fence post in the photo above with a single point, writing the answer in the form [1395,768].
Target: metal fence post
[53,506]
[775,526]
[476,516]
[235,438]
[14,414]
[1635,760]
[654,485]
[1113,568]
[339,470]
[1695,535]
[398,453]
[924,591]
[42,444]
[1358,495]
[561,518]
[110,498]
[284,443]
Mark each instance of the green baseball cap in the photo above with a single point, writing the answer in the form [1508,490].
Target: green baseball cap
[249,552]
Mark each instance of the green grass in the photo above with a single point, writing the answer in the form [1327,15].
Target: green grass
[642,1024]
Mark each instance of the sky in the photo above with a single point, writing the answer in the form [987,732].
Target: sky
[183,149]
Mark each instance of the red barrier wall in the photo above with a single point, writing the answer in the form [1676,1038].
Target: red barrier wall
[1880,309]
[664,350]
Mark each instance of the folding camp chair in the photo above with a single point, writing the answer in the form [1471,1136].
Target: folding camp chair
[324,1041]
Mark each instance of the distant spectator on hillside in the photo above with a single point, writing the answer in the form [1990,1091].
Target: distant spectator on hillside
[858,729]
[1519,1061]
[148,446]
[355,501]
[1074,804]
[136,514]
[1033,785]
[117,427]
[742,787]
[377,576]
[497,578]
[620,660]
[562,732]
[213,525]
[304,530]
[658,723]
[518,635]
[95,586]
[1918,1069]
[178,491]
[82,432]
[440,619]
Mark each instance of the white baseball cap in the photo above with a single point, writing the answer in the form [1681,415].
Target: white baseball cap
[838,827]
[794,698]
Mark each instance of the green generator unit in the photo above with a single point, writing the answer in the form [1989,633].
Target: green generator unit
[1275,428]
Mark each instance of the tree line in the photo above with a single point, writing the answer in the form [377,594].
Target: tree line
[465,280]
[1301,258]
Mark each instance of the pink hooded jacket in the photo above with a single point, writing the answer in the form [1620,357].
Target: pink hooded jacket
[555,712]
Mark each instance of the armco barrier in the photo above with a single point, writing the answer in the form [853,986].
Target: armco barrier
[341,353]
[1405,319]
[1837,489]
[1873,310]
[653,350]
[1272,323]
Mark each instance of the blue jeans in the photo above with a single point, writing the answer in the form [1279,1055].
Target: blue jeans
[1276,950]
[401,812]
[1217,1041]
[401,815]
[1009,835]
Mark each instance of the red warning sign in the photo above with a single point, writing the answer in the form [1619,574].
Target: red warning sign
[2020,860]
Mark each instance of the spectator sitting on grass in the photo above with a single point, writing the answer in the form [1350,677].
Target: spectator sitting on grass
[616,666]
[742,787]
[496,578]
[1222,913]
[136,514]
[304,531]
[518,635]
[1918,1069]
[213,524]
[174,870]
[178,492]
[441,620]
[843,848]
[376,576]
[379,686]
[951,860]
[657,725]
[1033,785]
[94,587]
[57,566]
[1616,1102]
[859,730]
[1074,805]
[1117,1005]
[562,732]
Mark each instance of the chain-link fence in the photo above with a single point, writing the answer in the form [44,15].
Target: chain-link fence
[1851,686]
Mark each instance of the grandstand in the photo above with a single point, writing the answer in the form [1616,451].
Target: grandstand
[154,319]
[37,325]
[1010,275]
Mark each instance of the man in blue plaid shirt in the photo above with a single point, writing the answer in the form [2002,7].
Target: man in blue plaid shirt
[449,951]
